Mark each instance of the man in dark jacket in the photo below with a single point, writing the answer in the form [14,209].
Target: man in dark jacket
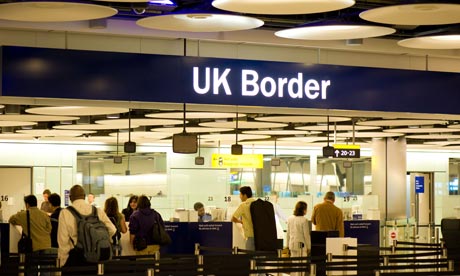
[141,227]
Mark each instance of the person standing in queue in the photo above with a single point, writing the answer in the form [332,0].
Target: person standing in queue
[46,206]
[132,206]
[327,217]
[55,201]
[141,227]
[298,231]
[243,215]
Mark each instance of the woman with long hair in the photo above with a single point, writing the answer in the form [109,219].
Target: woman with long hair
[118,219]
[132,206]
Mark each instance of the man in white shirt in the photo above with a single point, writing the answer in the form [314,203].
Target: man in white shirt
[67,229]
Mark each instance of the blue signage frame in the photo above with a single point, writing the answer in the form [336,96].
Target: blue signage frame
[93,75]
[419,184]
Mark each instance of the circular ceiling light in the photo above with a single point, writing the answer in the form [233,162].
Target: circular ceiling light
[200,22]
[282,7]
[338,31]
[76,110]
[432,42]
[53,11]
[414,14]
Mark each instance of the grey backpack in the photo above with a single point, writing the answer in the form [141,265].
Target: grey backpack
[93,237]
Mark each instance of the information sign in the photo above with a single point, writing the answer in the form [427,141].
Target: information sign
[237,161]
[346,151]
[419,184]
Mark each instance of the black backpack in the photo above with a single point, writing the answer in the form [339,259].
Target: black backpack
[93,237]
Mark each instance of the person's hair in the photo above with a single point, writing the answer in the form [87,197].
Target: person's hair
[329,195]
[111,207]
[246,190]
[55,200]
[300,208]
[31,200]
[198,205]
[143,202]
[131,199]
[47,191]
[76,192]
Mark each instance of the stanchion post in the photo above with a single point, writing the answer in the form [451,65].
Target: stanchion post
[22,266]
[150,272]
[450,265]
[58,266]
[252,267]
[312,269]
[157,255]
[377,273]
[197,249]
[100,269]
[235,250]
[200,262]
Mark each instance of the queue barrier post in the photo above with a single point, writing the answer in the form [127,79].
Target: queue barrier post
[58,265]
[312,269]
[150,272]
[200,261]
[100,269]
[197,249]
[22,260]
[253,266]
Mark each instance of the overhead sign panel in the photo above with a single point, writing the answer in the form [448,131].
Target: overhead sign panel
[95,75]
[346,151]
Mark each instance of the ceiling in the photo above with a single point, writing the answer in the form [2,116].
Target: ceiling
[138,9]
[257,126]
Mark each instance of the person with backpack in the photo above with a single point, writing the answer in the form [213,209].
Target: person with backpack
[141,225]
[118,219]
[74,249]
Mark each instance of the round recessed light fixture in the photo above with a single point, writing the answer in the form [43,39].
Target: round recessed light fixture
[38,11]
[432,42]
[414,14]
[200,22]
[282,7]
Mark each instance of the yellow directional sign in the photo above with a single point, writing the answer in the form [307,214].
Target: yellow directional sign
[346,151]
[237,161]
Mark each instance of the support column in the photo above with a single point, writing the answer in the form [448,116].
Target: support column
[389,176]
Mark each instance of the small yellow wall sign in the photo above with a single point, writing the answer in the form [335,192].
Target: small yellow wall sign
[237,161]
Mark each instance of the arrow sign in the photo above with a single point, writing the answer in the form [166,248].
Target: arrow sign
[346,151]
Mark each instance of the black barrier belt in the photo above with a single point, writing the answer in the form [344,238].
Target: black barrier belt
[215,249]
[413,255]
[419,273]
[418,243]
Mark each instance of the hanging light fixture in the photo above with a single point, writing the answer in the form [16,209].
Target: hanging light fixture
[439,42]
[53,11]
[282,7]
[342,29]
[428,13]
[201,18]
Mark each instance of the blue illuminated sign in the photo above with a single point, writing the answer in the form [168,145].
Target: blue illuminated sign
[419,184]
[76,74]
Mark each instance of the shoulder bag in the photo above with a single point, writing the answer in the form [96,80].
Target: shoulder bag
[25,242]
[160,236]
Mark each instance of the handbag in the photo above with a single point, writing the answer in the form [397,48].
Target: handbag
[25,242]
[160,236]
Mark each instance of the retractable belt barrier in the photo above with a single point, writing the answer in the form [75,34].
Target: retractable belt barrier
[427,259]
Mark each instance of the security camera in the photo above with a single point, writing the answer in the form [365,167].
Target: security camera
[138,11]
[139,8]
